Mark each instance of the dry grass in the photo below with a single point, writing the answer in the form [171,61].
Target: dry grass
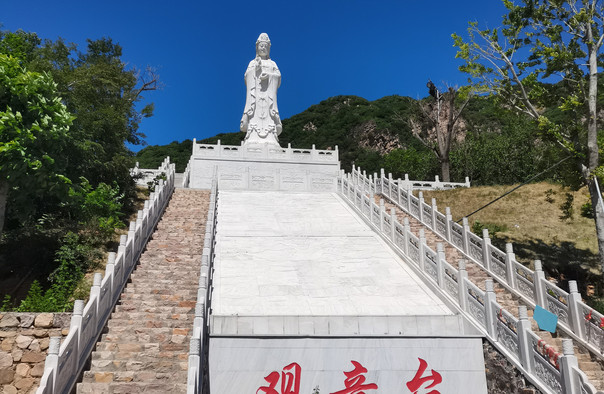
[530,218]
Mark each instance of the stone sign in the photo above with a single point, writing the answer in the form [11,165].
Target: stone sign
[347,365]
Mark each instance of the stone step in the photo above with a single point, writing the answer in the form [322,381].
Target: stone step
[145,347]
[155,309]
[144,316]
[151,353]
[149,363]
[127,334]
[154,297]
[151,387]
[150,323]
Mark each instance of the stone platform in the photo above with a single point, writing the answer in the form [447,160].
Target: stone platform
[263,167]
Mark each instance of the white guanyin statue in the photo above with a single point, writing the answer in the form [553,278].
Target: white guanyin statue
[260,120]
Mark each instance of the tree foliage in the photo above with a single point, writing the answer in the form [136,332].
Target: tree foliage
[34,125]
[553,42]
[66,115]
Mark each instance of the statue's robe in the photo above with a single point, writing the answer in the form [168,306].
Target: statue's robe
[263,121]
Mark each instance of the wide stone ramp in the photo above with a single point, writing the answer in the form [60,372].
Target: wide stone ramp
[145,347]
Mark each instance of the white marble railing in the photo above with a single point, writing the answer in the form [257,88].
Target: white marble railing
[143,176]
[199,341]
[577,319]
[186,177]
[66,360]
[265,151]
[551,372]
[408,184]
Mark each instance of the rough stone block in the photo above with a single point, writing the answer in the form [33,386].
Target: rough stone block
[17,354]
[44,320]
[32,357]
[7,375]
[6,360]
[103,377]
[23,341]
[9,321]
[26,320]
[25,383]
[37,370]
[22,369]
[9,389]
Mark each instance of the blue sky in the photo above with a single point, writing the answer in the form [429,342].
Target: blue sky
[323,48]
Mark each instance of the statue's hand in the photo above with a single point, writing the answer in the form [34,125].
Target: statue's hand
[263,76]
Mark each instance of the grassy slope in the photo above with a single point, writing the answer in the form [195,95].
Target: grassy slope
[567,248]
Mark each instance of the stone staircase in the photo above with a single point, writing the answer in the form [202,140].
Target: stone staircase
[146,343]
[509,301]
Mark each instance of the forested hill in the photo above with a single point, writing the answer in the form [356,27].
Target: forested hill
[493,147]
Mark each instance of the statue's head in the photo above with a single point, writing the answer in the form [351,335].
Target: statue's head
[263,46]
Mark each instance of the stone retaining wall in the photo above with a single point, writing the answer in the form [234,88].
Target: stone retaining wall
[502,376]
[24,339]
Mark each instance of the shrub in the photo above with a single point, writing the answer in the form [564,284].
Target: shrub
[493,228]
[567,207]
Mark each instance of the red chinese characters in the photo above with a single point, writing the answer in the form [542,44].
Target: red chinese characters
[418,381]
[290,381]
[355,380]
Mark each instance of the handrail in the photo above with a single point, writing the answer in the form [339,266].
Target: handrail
[527,284]
[552,373]
[65,361]
[198,346]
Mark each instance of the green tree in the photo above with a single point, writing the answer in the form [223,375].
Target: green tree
[437,124]
[547,41]
[34,126]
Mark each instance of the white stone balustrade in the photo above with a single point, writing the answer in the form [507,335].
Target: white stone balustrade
[530,285]
[198,356]
[145,175]
[549,371]
[66,360]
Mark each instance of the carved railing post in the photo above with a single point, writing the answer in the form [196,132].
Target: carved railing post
[52,360]
[440,270]
[523,327]
[576,315]
[489,303]
[398,191]
[486,251]
[110,271]
[406,231]
[422,250]
[76,324]
[434,210]
[466,241]
[381,215]
[393,221]
[567,362]
[463,275]
[449,221]
[421,207]
[509,263]
[407,183]
[540,296]
[95,290]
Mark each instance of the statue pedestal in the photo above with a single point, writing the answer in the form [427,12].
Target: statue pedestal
[263,167]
